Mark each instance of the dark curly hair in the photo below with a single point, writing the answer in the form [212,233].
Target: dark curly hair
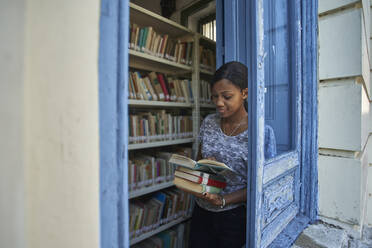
[235,72]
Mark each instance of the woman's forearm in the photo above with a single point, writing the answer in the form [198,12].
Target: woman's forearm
[236,197]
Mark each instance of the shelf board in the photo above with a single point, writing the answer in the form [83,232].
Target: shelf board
[207,105]
[159,143]
[206,72]
[145,18]
[145,103]
[147,190]
[158,230]
[149,62]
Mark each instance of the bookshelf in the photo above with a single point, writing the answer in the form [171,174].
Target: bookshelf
[159,144]
[158,230]
[146,61]
[147,190]
[143,103]
[149,62]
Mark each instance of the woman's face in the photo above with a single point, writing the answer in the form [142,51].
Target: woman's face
[228,98]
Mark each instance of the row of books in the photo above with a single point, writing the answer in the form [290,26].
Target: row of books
[207,58]
[149,169]
[146,170]
[158,125]
[205,92]
[176,237]
[160,208]
[158,87]
[147,40]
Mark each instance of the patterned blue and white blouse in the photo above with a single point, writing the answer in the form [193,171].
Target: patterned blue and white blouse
[231,150]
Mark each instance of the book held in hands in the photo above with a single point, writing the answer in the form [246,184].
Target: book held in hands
[198,176]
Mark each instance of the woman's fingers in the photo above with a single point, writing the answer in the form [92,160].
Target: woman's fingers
[212,198]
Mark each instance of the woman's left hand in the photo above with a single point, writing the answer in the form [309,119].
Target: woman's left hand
[214,199]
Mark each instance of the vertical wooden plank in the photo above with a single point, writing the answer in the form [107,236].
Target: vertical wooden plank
[309,174]
[196,91]
[123,122]
[108,123]
[220,42]
[113,74]
[230,30]
[254,37]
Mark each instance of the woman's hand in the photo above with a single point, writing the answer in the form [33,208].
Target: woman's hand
[214,199]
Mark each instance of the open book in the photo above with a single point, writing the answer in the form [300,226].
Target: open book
[202,165]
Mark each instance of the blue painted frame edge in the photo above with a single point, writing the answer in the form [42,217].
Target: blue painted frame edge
[108,124]
[310,106]
[113,129]
[255,53]
[123,110]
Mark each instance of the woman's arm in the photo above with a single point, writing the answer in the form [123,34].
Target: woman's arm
[234,197]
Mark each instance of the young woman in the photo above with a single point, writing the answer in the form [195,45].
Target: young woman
[219,220]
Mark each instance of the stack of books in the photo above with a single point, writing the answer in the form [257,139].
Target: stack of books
[198,176]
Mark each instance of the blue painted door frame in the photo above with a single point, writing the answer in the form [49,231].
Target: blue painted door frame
[113,125]
[241,36]
[245,45]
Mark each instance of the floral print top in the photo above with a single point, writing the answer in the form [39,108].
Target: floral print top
[231,150]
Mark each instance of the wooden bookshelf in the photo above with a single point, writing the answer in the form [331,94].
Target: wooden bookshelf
[210,73]
[150,189]
[145,17]
[159,143]
[147,62]
[207,105]
[144,61]
[158,230]
[143,103]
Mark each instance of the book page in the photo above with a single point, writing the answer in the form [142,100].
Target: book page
[212,162]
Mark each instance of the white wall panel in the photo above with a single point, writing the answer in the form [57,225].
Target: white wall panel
[12,195]
[366,124]
[61,123]
[365,59]
[340,188]
[366,15]
[340,44]
[369,184]
[326,5]
[340,115]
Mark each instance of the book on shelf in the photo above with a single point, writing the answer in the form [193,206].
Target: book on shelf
[147,40]
[149,213]
[152,168]
[159,87]
[201,165]
[205,92]
[158,125]
[207,58]
[175,237]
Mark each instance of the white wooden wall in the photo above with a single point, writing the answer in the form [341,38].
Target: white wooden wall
[344,111]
